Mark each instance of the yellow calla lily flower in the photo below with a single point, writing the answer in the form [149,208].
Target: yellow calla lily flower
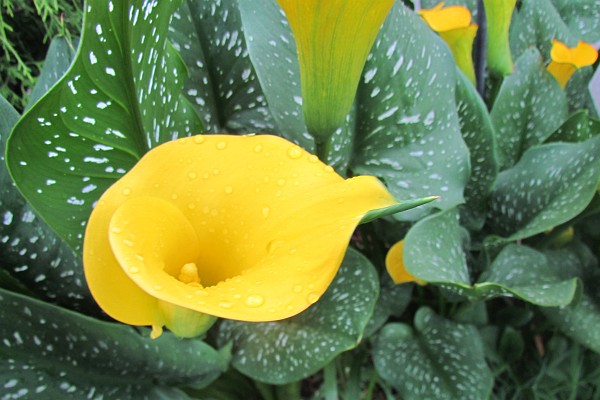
[394,263]
[333,40]
[250,228]
[499,15]
[453,24]
[566,60]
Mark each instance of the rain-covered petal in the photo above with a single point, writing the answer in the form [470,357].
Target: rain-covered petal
[394,263]
[566,60]
[333,39]
[498,17]
[453,24]
[251,228]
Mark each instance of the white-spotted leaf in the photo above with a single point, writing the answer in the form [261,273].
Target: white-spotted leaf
[437,359]
[289,350]
[120,97]
[407,116]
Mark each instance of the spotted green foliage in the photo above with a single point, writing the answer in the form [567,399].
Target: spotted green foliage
[435,359]
[119,98]
[407,116]
[578,128]
[581,16]
[49,352]
[580,320]
[30,251]
[393,301]
[479,135]
[222,82]
[528,109]
[272,50]
[292,349]
[550,185]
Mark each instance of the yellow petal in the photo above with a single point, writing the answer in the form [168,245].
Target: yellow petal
[498,17]
[566,60]
[442,19]
[333,39]
[264,223]
[394,262]
[460,42]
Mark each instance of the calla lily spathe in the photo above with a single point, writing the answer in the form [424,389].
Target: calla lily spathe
[566,60]
[394,263]
[333,40]
[453,24]
[499,15]
[250,228]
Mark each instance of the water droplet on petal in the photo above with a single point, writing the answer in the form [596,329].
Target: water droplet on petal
[328,168]
[192,175]
[294,152]
[158,288]
[225,304]
[313,159]
[191,206]
[199,139]
[258,148]
[114,229]
[174,196]
[221,145]
[134,270]
[228,189]
[312,298]
[216,171]
[126,192]
[255,300]
[297,288]
[281,182]
[266,211]
[237,296]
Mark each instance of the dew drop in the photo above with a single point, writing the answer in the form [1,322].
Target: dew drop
[158,288]
[192,175]
[174,196]
[225,304]
[237,296]
[216,171]
[206,175]
[221,145]
[134,270]
[228,189]
[328,168]
[114,229]
[258,148]
[199,139]
[266,211]
[274,245]
[126,192]
[294,152]
[297,288]
[313,159]
[281,182]
[255,300]
[312,298]
[191,206]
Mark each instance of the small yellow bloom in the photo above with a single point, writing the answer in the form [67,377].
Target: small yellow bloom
[394,263]
[453,24]
[498,15]
[333,40]
[250,228]
[566,60]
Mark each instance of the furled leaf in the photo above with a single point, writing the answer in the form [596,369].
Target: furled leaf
[528,109]
[292,349]
[272,49]
[581,320]
[31,252]
[550,185]
[222,82]
[410,135]
[49,352]
[437,359]
[479,135]
[119,98]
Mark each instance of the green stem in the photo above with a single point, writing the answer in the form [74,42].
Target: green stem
[290,391]
[322,149]
[330,382]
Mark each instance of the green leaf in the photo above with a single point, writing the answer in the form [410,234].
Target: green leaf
[292,349]
[578,128]
[479,135]
[438,359]
[529,107]
[535,25]
[581,16]
[49,352]
[272,49]
[407,117]
[581,320]
[550,185]
[30,251]
[433,250]
[119,98]
[222,83]
[393,300]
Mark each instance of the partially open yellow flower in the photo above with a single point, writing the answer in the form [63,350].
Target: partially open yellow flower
[250,228]
[499,15]
[394,263]
[566,60]
[453,24]
[333,40]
